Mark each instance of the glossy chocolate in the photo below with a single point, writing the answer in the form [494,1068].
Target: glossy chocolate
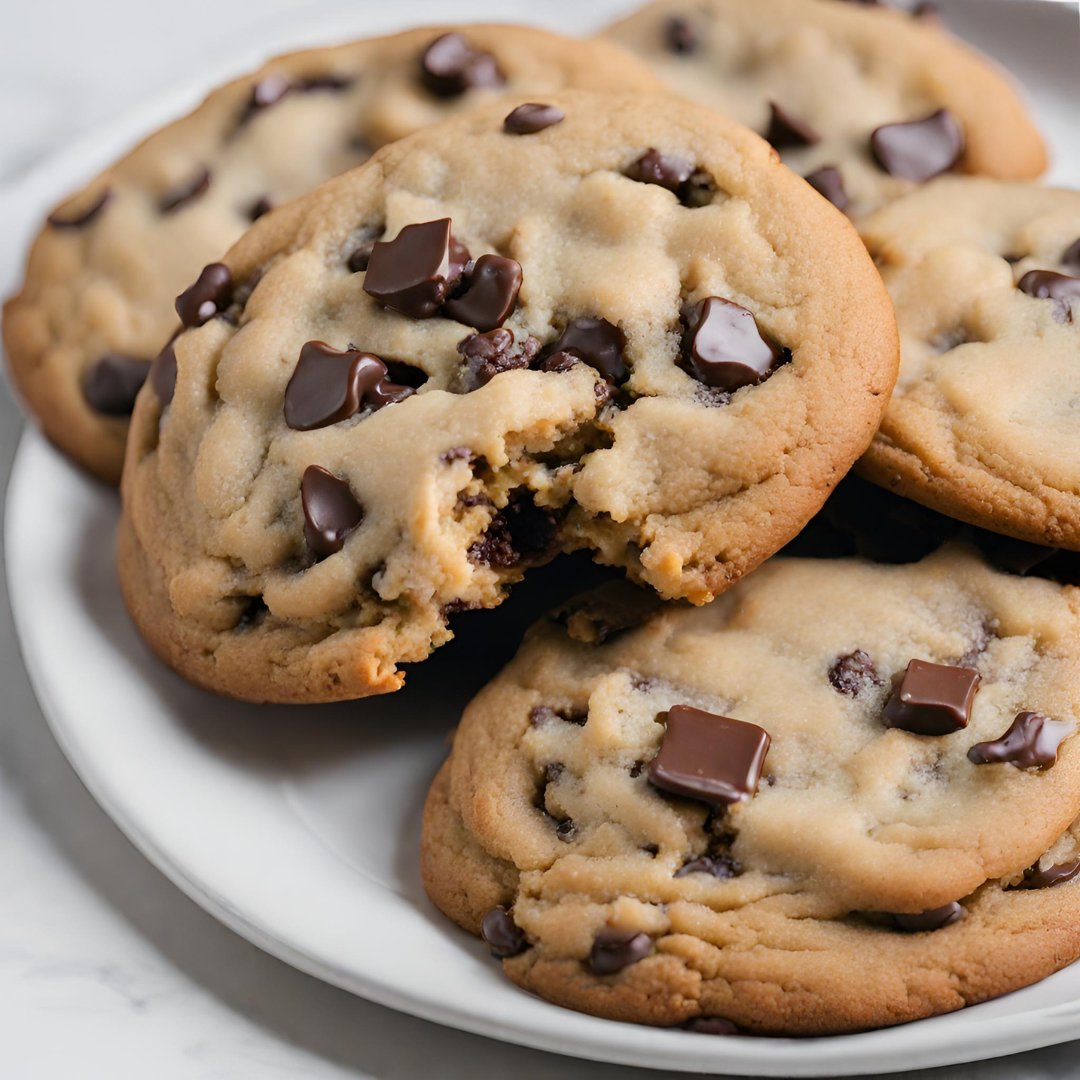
[413,272]
[1032,742]
[724,347]
[919,150]
[932,699]
[613,950]
[828,181]
[532,117]
[112,383]
[598,343]
[331,511]
[207,297]
[934,919]
[502,935]
[450,65]
[490,293]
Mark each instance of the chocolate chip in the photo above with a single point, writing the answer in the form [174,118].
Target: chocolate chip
[163,375]
[724,348]
[405,374]
[565,830]
[1031,742]
[665,170]
[521,531]
[262,205]
[720,866]
[680,35]
[552,771]
[710,1025]
[934,919]
[80,218]
[1048,285]
[932,699]
[330,385]
[597,342]
[413,272]
[786,131]
[112,383]
[209,295]
[614,950]
[503,936]
[1071,259]
[828,182]
[266,92]
[712,758]
[490,354]
[920,149]
[449,66]
[331,511]
[853,673]
[490,293]
[180,196]
[532,117]
[607,612]
[1037,878]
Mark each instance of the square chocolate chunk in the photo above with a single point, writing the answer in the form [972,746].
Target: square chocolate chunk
[932,699]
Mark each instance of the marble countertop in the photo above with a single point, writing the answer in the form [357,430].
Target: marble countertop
[106,970]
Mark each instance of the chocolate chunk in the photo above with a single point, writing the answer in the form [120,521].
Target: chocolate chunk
[163,375]
[413,272]
[607,612]
[712,758]
[112,383]
[331,511]
[80,218]
[598,343]
[786,131]
[329,386]
[405,374]
[710,1025]
[934,919]
[1031,742]
[1037,878]
[266,92]
[614,950]
[449,66]
[828,181]
[665,170]
[1071,259]
[519,532]
[360,256]
[491,290]
[490,354]
[262,205]
[532,117]
[503,936]
[680,35]
[920,149]
[210,294]
[180,196]
[932,699]
[565,830]
[724,348]
[720,866]
[853,673]
[1048,285]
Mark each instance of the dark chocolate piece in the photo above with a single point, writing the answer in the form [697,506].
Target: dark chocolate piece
[720,866]
[112,383]
[532,117]
[413,272]
[520,532]
[919,150]
[664,170]
[180,196]
[163,375]
[1035,877]
[607,611]
[490,354]
[597,342]
[209,296]
[450,65]
[932,699]
[934,919]
[80,218]
[853,673]
[828,181]
[1048,285]
[614,950]
[491,290]
[1032,742]
[786,131]
[503,936]
[724,347]
[680,35]
[331,511]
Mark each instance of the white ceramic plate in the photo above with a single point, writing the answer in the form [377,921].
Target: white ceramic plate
[299,827]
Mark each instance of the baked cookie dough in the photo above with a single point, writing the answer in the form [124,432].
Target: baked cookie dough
[102,277]
[614,323]
[842,796]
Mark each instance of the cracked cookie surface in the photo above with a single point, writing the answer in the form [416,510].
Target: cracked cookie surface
[850,94]
[677,384]
[983,424]
[859,875]
[102,277]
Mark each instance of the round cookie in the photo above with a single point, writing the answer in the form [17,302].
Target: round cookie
[850,94]
[103,275]
[739,814]
[982,426]
[674,379]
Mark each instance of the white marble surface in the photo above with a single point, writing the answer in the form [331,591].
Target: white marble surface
[105,969]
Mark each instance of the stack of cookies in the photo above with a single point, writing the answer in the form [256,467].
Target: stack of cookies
[650,296]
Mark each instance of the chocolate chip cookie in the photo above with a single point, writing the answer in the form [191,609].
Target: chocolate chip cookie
[842,796]
[862,100]
[103,275]
[984,424]
[608,323]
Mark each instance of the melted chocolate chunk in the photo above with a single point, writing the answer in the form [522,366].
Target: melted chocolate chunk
[1035,877]
[1048,285]
[711,1025]
[331,511]
[329,386]
[414,272]
[724,348]
[614,950]
[934,919]
[828,181]
[503,936]
[1031,742]
[532,117]
[853,673]
[712,758]
[163,375]
[932,699]
[180,196]
[786,131]
[490,293]
[79,219]
[520,532]
[262,205]
[490,354]
[607,612]
[449,66]
[112,383]
[210,294]
[596,342]
[920,149]
[1071,259]
[664,170]
[680,35]
[720,866]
